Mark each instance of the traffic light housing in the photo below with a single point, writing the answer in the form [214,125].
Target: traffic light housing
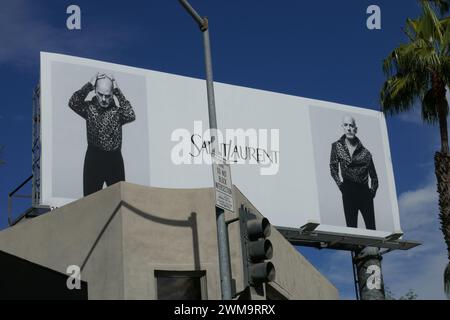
[256,248]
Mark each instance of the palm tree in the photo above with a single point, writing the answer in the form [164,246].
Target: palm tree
[420,71]
[442,5]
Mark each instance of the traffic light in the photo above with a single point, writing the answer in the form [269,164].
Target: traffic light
[256,248]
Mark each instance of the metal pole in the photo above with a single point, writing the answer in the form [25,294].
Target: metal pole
[222,232]
[370,279]
[193,13]
[355,275]
[210,91]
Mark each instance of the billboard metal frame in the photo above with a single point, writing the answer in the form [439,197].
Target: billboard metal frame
[36,208]
[36,148]
[324,235]
[308,236]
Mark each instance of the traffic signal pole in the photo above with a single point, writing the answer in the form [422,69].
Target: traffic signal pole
[222,232]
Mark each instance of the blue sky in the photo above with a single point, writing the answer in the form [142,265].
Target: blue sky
[314,49]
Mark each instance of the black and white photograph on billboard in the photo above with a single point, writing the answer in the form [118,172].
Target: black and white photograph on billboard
[99,129]
[354,182]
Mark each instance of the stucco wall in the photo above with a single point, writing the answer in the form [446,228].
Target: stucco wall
[122,234]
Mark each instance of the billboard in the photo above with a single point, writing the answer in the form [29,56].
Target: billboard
[296,159]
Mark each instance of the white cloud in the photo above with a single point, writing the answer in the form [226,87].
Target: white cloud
[422,273]
[421,268]
[417,207]
[413,116]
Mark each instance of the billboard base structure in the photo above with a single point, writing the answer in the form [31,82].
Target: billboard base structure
[33,211]
[366,254]
[310,237]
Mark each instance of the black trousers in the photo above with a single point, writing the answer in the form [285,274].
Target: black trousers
[101,167]
[358,197]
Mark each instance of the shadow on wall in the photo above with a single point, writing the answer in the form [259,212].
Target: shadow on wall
[22,279]
[190,222]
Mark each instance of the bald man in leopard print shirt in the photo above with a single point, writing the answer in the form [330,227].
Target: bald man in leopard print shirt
[103,162]
[356,166]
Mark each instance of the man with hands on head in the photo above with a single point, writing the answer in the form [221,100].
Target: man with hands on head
[103,162]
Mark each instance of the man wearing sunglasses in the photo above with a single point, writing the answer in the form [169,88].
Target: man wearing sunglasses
[103,162]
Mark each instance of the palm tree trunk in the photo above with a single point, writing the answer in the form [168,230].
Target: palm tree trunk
[442,171]
[442,114]
[442,159]
[439,93]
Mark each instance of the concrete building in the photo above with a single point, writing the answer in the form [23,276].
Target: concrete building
[136,242]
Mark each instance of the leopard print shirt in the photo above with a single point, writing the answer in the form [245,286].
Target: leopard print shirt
[357,168]
[104,125]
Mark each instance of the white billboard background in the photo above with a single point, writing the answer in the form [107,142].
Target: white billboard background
[237,107]
[290,198]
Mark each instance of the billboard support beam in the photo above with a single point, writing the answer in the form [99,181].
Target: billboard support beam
[367,262]
[222,232]
[348,242]
[36,147]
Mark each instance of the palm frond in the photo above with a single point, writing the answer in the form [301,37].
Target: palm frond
[445,25]
[411,28]
[442,5]
[400,92]
[429,108]
[390,64]
[411,66]
[429,24]
[415,57]
[445,70]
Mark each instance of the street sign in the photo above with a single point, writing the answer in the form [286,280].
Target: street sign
[222,184]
